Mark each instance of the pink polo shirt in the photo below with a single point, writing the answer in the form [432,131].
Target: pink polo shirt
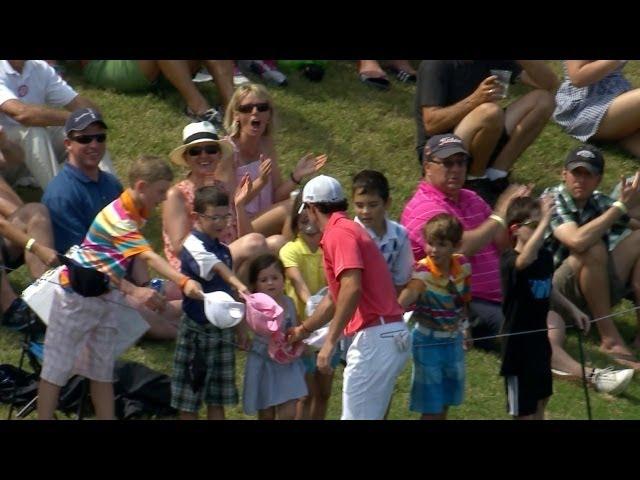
[347,245]
[472,211]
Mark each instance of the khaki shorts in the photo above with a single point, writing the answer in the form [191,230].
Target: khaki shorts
[566,281]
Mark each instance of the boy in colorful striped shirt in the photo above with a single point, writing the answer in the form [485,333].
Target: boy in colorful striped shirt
[441,289]
[81,335]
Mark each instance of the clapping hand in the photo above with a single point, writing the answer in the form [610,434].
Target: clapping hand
[308,165]
[243,191]
[265,168]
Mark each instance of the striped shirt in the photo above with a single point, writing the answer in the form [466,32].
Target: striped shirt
[396,250]
[442,299]
[568,212]
[472,211]
[114,237]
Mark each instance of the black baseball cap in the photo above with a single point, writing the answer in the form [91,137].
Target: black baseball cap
[81,119]
[586,156]
[444,146]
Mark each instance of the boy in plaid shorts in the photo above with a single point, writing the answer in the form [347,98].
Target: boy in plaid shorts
[204,361]
[82,331]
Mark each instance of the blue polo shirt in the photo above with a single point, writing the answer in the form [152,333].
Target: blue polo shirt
[199,254]
[74,200]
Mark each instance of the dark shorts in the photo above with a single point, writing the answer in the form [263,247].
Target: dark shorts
[9,261]
[566,281]
[525,391]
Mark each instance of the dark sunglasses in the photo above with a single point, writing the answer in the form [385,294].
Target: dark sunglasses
[448,164]
[532,224]
[209,149]
[248,108]
[86,139]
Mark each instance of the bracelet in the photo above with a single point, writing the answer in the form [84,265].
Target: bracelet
[297,182]
[29,244]
[183,281]
[499,219]
[621,206]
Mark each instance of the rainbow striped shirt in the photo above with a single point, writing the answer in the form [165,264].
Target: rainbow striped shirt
[114,237]
[441,301]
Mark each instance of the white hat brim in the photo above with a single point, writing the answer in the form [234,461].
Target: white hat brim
[177,154]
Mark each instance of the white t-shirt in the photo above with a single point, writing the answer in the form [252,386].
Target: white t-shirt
[38,84]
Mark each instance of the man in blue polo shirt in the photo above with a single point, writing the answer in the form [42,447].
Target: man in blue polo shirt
[81,190]
[76,195]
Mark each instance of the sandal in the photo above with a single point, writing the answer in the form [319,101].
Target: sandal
[380,83]
[628,360]
[402,75]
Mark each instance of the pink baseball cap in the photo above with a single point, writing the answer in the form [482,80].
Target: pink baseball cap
[263,314]
[281,351]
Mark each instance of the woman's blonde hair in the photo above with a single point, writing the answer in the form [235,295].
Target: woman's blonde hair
[240,94]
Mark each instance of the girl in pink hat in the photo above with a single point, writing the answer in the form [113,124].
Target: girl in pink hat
[272,389]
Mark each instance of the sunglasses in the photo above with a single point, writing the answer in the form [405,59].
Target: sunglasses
[217,218]
[86,139]
[532,224]
[248,108]
[449,164]
[209,149]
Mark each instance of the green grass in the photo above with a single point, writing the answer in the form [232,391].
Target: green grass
[358,128]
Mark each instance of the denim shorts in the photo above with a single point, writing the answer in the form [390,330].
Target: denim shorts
[438,373]
[310,360]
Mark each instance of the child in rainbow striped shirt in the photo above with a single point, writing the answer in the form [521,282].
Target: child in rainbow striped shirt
[441,289]
[82,330]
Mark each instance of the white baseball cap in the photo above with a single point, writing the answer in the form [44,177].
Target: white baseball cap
[322,189]
[222,310]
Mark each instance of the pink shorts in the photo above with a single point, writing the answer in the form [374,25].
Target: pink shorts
[81,336]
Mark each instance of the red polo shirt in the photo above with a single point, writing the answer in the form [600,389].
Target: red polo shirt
[347,245]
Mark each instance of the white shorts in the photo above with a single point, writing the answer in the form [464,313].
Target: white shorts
[81,337]
[374,361]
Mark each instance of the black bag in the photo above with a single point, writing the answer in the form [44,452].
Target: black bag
[16,385]
[87,282]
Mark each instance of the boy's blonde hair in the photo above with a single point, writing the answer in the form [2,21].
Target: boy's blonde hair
[240,94]
[443,228]
[149,168]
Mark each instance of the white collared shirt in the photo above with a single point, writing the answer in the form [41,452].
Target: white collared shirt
[38,84]
[396,250]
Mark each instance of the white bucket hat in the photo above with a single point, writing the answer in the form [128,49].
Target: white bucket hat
[195,133]
[222,310]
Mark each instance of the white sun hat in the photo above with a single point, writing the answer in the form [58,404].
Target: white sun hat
[199,132]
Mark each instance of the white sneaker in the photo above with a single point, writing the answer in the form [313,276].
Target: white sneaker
[239,79]
[611,381]
[202,76]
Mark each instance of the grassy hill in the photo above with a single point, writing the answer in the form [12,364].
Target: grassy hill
[358,128]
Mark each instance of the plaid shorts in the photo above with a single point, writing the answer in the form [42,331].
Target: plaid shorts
[81,336]
[211,344]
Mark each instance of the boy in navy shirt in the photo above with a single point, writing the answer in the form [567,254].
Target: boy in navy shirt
[204,361]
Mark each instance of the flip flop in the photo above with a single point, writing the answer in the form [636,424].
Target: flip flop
[380,83]
[402,75]
[627,360]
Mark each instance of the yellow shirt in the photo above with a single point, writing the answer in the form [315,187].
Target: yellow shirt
[297,254]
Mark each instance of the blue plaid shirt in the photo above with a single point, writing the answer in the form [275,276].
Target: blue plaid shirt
[567,211]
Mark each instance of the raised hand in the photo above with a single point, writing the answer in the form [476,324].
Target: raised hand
[243,191]
[265,168]
[629,191]
[308,165]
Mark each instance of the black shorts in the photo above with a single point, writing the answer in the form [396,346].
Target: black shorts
[7,260]
[525,391]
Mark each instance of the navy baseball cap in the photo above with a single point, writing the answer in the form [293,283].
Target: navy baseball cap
[444,146]
[81,119]
[586,156]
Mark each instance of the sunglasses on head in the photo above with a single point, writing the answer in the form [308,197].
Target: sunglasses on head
[209,149]
[87,139]
[248,107]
